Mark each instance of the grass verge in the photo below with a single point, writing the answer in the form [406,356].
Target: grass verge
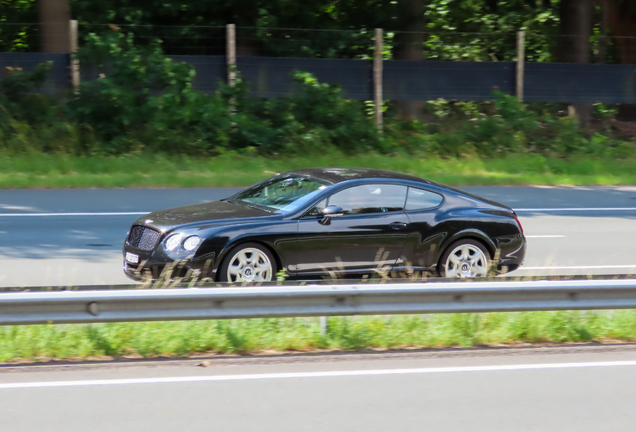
[183,338]
[234,169]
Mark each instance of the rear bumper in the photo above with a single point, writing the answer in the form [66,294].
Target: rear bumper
[512,253]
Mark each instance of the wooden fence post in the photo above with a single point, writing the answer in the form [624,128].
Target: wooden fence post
[75,71]
[230,36]
[377,77]
[521,54]
[231,54]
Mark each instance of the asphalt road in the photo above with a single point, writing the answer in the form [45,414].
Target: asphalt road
[549,389]
[71,237]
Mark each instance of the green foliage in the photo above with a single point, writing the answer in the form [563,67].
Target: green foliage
[28,120]
[142,98]
[485,31]
[466,29]
[139,100]
[16,82]
[511,127]
[322,108]
[183,338]
[18,97]
[15,36]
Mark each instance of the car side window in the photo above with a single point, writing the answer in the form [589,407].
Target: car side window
[318,208]
[371,198]
[420,199]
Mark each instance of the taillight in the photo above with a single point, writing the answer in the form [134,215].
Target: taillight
[518,223]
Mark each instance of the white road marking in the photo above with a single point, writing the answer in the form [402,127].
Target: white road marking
[328,374]
[545,236]
[579,267]
[575,209]
[72,214]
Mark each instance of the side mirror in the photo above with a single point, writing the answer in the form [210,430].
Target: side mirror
[331,212]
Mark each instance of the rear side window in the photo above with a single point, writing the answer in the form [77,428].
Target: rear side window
[420,199]
[370,198]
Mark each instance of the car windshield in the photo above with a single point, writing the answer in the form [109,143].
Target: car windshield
[282,194]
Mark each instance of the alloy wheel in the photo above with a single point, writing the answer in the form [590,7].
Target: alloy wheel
[249,265]
[466,261]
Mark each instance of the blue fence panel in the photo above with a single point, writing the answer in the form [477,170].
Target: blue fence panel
[272,76]
[461,81]
[209,70]
[561,82]
[403,80]
[59,77]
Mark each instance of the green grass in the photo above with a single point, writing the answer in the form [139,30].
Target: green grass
[183,338]
[232,169]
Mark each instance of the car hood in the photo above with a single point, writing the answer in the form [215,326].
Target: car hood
[212,213]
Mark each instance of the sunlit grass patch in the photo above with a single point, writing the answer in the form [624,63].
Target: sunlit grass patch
[237,169]
[183,338]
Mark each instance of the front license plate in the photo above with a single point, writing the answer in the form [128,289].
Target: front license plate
[132,258]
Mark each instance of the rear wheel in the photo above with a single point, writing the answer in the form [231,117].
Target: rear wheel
[249,262]
[465,259]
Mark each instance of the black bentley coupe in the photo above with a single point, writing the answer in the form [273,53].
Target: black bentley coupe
[312,223]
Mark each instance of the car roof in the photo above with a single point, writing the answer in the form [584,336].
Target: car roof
[337,175]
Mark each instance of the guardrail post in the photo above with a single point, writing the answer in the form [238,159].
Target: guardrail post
[324,325]
[521,54]
[377,77]
[75,72]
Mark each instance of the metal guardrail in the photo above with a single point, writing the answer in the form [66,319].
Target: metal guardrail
[301,283]
[324,300]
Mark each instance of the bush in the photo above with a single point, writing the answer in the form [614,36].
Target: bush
[513,128]
[142,99]
[137,99]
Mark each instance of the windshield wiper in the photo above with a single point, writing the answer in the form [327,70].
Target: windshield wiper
[260,208]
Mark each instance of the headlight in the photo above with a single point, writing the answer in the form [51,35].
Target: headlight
[191,243]
[173,241]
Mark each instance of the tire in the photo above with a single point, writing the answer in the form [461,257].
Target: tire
[472,259]
[248,262]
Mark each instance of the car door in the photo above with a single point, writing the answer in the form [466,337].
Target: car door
[424,236]
[369,235]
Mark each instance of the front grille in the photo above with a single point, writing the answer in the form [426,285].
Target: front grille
[143,238]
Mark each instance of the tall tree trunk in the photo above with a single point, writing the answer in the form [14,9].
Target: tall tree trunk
[574,44]
[621,22]
[246,43]
[409,45]
[54,25]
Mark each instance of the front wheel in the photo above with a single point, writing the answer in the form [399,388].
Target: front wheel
[464,259]
[249,262]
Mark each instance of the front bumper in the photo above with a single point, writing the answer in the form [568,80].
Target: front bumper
[157,264]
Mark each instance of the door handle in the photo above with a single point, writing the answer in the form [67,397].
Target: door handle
[398,225]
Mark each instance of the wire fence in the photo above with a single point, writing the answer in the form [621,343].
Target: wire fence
[175,40]
[343,43]
[457,66]
[20,37]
